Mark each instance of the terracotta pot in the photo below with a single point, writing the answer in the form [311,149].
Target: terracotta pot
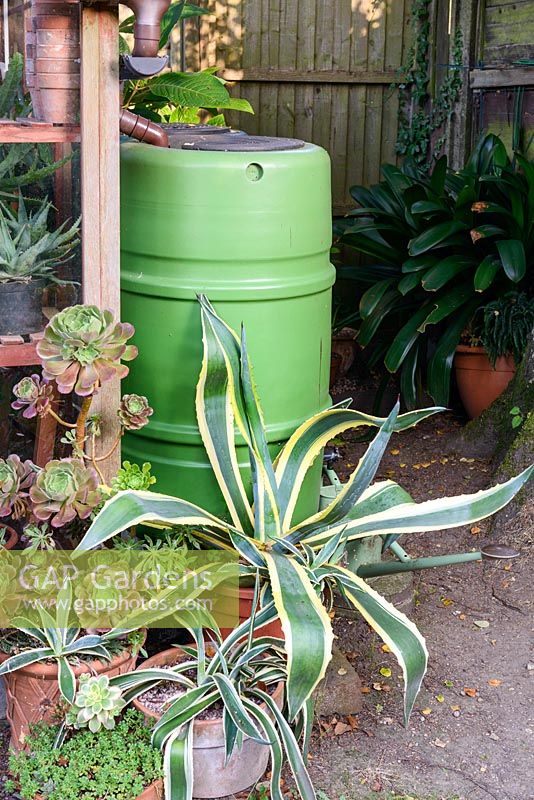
[53,60]
[246,597]
[344,344]
[32,693]
[12,536]
[212,778]
[153,792]
[479,384]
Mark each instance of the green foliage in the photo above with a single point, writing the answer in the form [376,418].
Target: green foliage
[116,764]
[508,324]
[179,96]
[38,537]
[132,476]
[28,250]
[421,114]
[444,244]
[96,704]
[517,417]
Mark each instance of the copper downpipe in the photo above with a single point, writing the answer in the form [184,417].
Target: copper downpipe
[143,129]
[147,29]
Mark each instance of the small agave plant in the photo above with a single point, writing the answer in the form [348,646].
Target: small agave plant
[299,564]
[96,705]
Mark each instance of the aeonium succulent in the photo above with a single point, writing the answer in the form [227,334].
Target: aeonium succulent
[132,476]
[34,395]
[82,347]
[16,478]
[134,412]
[65,489]
[96,704]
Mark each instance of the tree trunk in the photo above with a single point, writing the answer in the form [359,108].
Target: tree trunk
[512,450]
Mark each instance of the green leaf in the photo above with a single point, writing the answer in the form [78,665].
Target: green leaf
[11,86]
[440,365]
[372,296]
[236,709]
[436,236]
[513,258]
[26,658]
[171,18]
[306,625]
[275,745]
[198,89]
[485,273]
[404,340]
[408,283]
[66,680]
[178,764]
[393,627]
[236,104]
[444,272]
[445,305]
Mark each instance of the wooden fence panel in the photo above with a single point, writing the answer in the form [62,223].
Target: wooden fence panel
[319,70]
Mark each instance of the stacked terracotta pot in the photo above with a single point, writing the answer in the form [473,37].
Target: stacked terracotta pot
[53,59]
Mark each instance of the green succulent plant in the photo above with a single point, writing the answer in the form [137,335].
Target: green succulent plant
[298,563]
[63,490]
[16,479]
[38,537]
[28,249]
[132,476]
[33,395]
[96,705]
[134,412]
[82,347]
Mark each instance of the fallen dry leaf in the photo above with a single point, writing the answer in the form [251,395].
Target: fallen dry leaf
[385,672]
[342,671]
[377,687]
[439,743]
[386,648]
[481,623]
[341,728]
[395,451]
[440,698]
[426,711]
[365,690]
[352,721]
[470,692]
[475,529]
[455,708]
[494,682]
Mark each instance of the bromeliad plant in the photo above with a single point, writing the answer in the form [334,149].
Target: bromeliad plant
[444,244]
[299,563]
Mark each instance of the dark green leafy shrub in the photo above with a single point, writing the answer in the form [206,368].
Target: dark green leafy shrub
[444,245]
[508,323]
[113,764]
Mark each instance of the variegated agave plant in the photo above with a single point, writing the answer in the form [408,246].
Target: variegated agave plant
[299,562]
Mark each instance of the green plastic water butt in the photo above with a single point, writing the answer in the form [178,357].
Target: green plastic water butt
[252,231]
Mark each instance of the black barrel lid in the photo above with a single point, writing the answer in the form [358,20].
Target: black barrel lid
[228,142]
[188,127]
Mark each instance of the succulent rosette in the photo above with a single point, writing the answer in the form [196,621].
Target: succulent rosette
[63,490]
[34,395]
[96,704]
[82,348]
[16,478]
[134,412]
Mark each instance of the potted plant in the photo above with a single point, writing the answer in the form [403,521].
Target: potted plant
[299,565]
[116,761]
[218,714]
[41,665]
[440,243]
[29,257]
[487,363]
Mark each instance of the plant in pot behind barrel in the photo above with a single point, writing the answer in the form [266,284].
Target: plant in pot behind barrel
[496,343]
[29,257]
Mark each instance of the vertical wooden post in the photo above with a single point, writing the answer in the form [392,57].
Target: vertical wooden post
[465,15]
[100,104]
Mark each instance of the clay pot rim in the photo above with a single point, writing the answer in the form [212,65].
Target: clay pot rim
[154,786]
[474,349]
[49,672]
[199,724]
[13,536]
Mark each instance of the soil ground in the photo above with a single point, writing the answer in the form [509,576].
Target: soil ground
[471,736]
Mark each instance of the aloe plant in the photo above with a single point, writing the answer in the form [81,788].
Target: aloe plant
[28,250]
[445,244]
[299,563]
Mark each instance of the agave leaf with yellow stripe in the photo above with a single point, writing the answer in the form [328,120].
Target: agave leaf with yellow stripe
[306,444]
[306,625]
[393,627]
[215,403]
[432,515]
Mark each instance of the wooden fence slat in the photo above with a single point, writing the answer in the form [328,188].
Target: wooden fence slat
[274,75]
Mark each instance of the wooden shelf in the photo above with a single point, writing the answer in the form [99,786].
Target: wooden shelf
[32,131]
[20,351]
